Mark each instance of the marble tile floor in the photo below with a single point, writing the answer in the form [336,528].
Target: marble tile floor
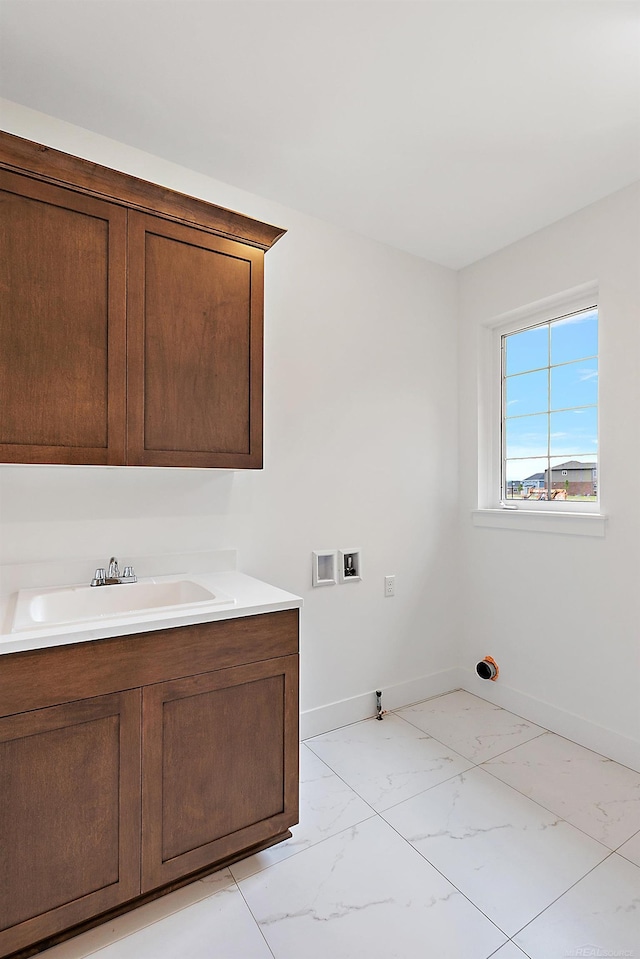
[452,829]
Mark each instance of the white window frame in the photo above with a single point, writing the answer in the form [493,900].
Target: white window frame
[540,515]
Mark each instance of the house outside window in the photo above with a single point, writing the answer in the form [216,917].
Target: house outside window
[549,411]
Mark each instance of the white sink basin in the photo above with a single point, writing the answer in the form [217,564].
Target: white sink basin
[39,608]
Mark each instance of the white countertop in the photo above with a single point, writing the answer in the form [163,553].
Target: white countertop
[252,597]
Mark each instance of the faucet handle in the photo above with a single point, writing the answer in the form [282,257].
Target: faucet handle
[129,574]
[99,576]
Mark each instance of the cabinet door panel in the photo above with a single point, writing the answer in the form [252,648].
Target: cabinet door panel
[220,767]
[195,347]
[69,815]
[62,325]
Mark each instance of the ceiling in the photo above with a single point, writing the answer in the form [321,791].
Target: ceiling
[449,129]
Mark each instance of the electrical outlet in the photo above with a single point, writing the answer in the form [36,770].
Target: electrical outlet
[389,586]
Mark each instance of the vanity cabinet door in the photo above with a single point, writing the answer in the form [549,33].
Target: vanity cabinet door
[220,766]
[69,815]
[194,332]
[62,325]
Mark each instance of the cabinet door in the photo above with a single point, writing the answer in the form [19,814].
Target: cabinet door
[62,325]
[69,815]
[194,347]
[219,767]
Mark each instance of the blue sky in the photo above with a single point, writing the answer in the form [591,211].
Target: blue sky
[551,394]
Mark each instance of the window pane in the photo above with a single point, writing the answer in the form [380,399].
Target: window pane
[528,350]
[575,384]
[525,478]
[527,436]
[528,393]
[574,431]
[550,417]
[574,337]
[577,477]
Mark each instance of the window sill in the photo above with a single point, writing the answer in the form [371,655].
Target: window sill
[537,521]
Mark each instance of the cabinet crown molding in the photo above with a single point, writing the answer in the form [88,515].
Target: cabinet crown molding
[25,156]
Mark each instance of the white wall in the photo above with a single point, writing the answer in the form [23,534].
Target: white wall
[561,613]
[360,450]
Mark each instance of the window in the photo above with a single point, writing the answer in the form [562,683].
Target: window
[549,412]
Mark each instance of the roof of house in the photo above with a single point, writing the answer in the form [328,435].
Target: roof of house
[574,465]
[534,476]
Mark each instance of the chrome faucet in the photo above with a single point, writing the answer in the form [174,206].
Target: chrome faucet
[111,576]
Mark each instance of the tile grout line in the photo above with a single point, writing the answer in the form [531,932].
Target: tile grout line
[504,709]
[407,798]
[562,894]
[508,749]
[552,811]
[484,764]
[451,883]
[259,927]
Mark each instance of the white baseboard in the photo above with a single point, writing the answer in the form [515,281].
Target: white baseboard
[314,722]
[607,742]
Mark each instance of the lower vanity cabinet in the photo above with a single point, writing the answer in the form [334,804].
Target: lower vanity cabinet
[108,796]
[214,768]
[69,815]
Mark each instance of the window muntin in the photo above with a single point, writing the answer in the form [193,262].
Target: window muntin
[550,410]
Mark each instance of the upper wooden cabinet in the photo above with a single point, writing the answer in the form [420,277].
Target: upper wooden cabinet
[194,347]
[62,325]
[131,319]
